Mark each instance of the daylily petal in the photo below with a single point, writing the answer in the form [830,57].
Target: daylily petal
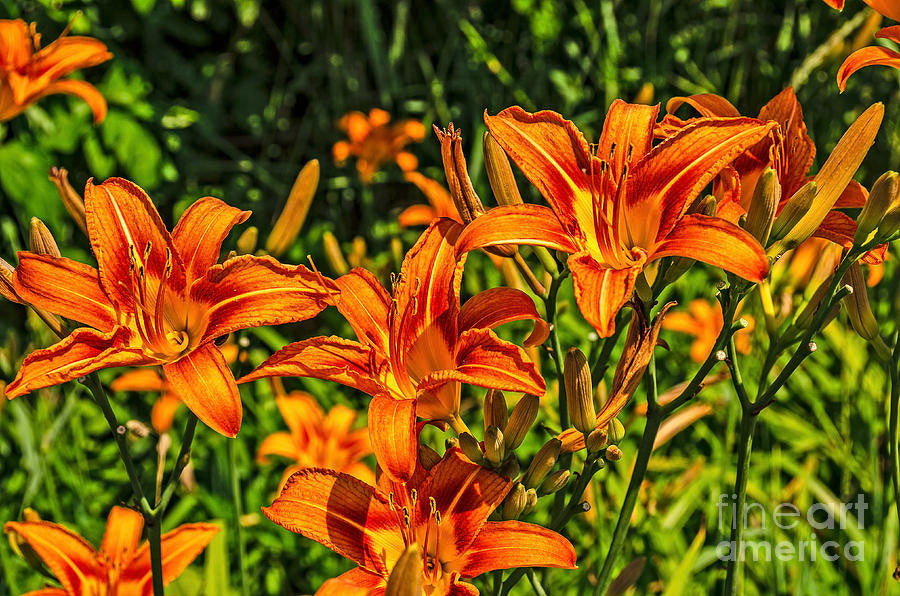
[462,589]
[627,134]
[64,287]
[365,304]
[47,592]
[356,582]
[799,151]
[509,544]
[330,358]
[301,412]
[163,413]
[342,513]
[516,224]
[122,222]
[68,54]
[205,384]
[837,227]
[717,242]
[81,353]
[251,291]
[496,306]
[553,155]
[888,8]
[123,534]
[280,443]
[392,431]
[69,556]
[868,56]
[138,379]
[600,291]
[853,197]
[709,105]
[81,89]
[179,548]
[199,233]
[438,198]
[465,494]
[416,215]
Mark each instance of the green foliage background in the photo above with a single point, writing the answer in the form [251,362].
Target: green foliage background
[230,97]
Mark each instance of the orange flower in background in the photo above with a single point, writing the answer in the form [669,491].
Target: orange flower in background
[872,55]
[440,203]
[375,142]
[160,299]
[619,207]
[443,511]
[29,72]
[121,566]
[704,322]
[415,348]
[317,440]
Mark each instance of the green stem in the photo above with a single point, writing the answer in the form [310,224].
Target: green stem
[154,536]
[535,582]
[893,447]
[735,563]
[236,509]
[184,456]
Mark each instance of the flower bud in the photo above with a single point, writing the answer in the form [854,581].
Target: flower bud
[469,446]
[334,255]
[288,224]
[40,239]
[467,202]
[554,482]
[71,200]
[499,172]
[808,312]
[890,223]
[509,468]
[428,457]
[761,214]
[542,463]
[531,499]
[515,502]
[406,576]
[579,390]
[246,242]
[520,421]
[493,445]
[884,192]
[858,309]
[615,431]
[613,453]
[496,412]
[596,440]
[795,208]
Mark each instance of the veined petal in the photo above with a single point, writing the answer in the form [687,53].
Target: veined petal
[64,287]
[414,215]
[627,134]
[205,384]
[250,291]
[356,582]
[81,89]
[199,233]
[392,431]
[122,222]
[330,358]
[888,8]
[496,306]
[553,155]
[853,197]
[179,548]
[601,292]
[465,494]
[516,224]
[799,151]
[365,304]
[717,242]
[47,592]
[709,105]
[342,513]
[66,55]
[123,534]
[81,353]
[69,556]
[868,56]
[138,379]
[509,544]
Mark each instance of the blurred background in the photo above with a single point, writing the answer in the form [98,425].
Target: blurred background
[231,97]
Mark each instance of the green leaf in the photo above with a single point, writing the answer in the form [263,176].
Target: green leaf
[23,179]
[682,576]
[135,149]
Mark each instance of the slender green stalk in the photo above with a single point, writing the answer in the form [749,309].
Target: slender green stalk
[535,582]
[237,509]
[735,563]
[893,447]
[184,456]
[154,536]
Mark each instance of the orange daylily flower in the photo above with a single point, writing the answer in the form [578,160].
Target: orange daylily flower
[160,299]
[419,343]
[440,203]
[704,322]
[623,205]
[872,55]
[443,511]
[29,72]
[121,566]
[317,440]
[375,142]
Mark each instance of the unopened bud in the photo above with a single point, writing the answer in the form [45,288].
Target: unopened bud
[596,440]
[761,213]
[288,224]
[469,446]
[499,172]
[706,205]
[542,463]
[246,242]
[515,502]
[428,457]
[520,421]
[615,431]
[406,576]
[808,312]
[71,200]
[890,223]
[884,192]
[531,499]
[509,468]
[334,255]
[493,445]
[795,208]
[555,482]
[579,390]
[357,254]
[679,267]
[858,309]
[40,239]
[466,200]
[496,412]
[613,453]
